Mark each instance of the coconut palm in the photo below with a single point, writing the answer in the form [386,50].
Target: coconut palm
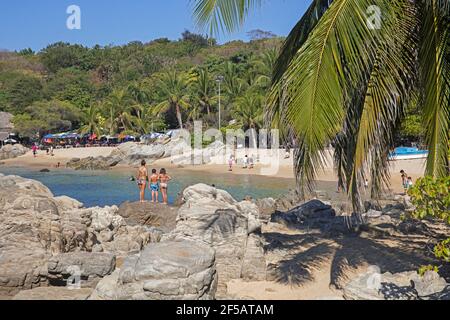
[172,87]
[118,109]
[203,90]
[344,76]
[248,110]
[91,121]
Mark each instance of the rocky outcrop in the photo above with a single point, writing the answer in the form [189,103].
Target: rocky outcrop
[372,285]
[53,294]
[91,163]
[12,151]
[212,217]
[159,216]
[89,267]
[163,271]
[36,228]
[132,153]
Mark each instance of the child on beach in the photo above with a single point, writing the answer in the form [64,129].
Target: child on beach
[404,180]
[154,186]
[230,163]
[164,178]
[409,183]
[142,178]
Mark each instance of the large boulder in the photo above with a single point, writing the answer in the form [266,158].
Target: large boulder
[409,285]
[36,226]
[212,217]
[159,216]
[163,271]
[91,163]
[12,151]
[89,267]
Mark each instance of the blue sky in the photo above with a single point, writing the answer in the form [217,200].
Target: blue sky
[37,23]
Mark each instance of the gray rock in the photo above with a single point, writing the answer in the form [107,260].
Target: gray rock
[429,284]
[35,225]
[90,267]
[12,151]
[149,214]
[211,216]
[163,271]
[373,213]
[54,293]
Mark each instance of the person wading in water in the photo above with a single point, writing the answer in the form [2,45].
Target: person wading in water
[164,180]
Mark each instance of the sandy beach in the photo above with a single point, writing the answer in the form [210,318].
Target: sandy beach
[284,168]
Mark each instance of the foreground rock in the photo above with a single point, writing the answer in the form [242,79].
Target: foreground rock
[54,293]
[163,271]
[212,217]
[159,216]
[41,235]
[399,286]
[12,151]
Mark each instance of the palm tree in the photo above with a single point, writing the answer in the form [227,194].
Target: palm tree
[118,109]
[233,84]
[172,87]
[248,110]
[202,87]
[344,76]
[91,121]
[147,119]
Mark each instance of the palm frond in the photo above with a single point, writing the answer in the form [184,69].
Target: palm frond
[222,15]
[375,106]
[298,36]
[434,55]
[335,57]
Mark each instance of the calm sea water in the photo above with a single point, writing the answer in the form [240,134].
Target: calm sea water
[100,188]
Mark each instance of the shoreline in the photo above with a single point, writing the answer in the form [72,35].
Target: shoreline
[414,168]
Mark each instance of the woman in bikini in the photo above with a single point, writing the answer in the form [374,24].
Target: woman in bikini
[154,186]
[164,180]
[142,179]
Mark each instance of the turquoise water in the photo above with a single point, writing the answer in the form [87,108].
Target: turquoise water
[100,188]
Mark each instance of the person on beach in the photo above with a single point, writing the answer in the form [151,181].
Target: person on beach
[164,180]
[142,179]
[251,162]
[230,163]
[404,180]
[34,149]
[245,162]
[154,186]
[409,183]
[51,151]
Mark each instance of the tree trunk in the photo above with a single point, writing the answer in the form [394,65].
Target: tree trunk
[180,120]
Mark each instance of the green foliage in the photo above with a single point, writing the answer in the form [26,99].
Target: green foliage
[431,197]
[442,250]
[48,116]
[138,87]
[422,270]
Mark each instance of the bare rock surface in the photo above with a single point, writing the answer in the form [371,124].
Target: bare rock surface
[159,216]
[163,271]
[36,227]
[212,217]
[12,151]
[54,293]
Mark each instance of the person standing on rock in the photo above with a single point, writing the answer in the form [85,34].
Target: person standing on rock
[154,186]
[142,179]
[164,180]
